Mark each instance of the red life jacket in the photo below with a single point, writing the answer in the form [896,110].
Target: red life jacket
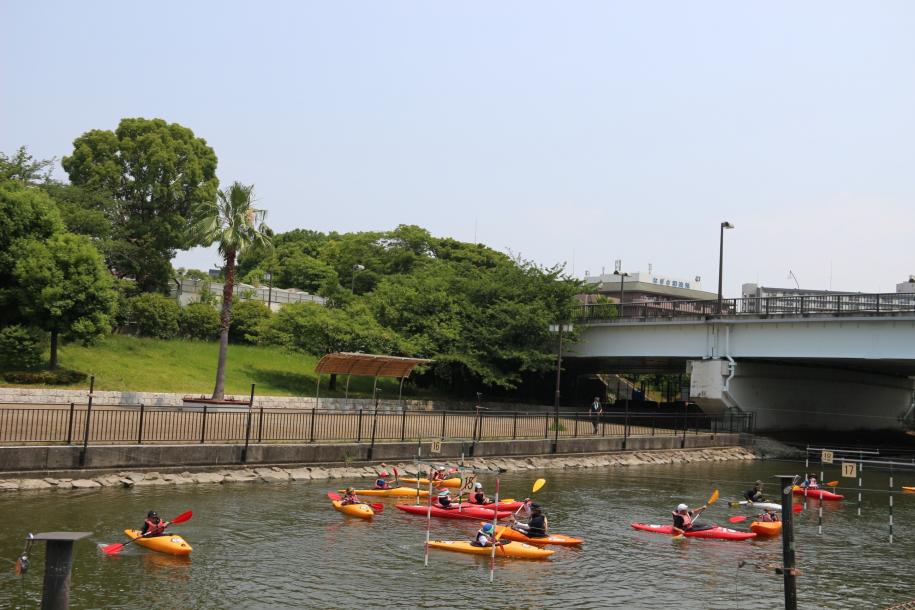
[687,519]
[154,529]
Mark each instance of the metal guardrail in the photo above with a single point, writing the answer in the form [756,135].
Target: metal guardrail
[782,306]
[132,424]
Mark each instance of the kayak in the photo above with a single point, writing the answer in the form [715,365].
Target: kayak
[762,505]
[767,529]
[816,493]
[515,550]
[476,513]
[717,532]
[491,505]
[394,492]
[910,490]
[507,533]
[172,544]
[363,511]
[453,482]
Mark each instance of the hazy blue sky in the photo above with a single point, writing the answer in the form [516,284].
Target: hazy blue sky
[585,130]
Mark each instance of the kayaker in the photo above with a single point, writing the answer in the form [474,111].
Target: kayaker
[439,474]
[685,519]
[350,497]
[523,514]
[485,536]
[755,494]
[537,526]
[478,496]
[768,516]
[811,483]
[380,483]
[153,526]
[444,499]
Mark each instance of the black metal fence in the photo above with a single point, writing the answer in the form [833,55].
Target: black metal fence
[782,306]
[131,424]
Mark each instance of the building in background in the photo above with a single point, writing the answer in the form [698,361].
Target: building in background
[189,290]
[642,287]
[907,287]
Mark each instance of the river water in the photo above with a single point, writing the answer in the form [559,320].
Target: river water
[282,546]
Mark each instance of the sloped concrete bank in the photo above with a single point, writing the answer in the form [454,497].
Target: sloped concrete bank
[278,474]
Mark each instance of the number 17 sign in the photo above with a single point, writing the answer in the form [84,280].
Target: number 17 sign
[849,470]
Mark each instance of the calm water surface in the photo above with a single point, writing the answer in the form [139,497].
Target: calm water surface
[282,546]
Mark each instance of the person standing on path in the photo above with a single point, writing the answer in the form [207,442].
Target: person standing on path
[595,412]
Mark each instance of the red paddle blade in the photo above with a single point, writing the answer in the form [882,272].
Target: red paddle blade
[111,549]
[377,507]
[334,496]
[737,519]
[797,508]
[183,517]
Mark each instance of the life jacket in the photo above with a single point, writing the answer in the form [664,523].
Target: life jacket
[153,528]
[350,499]
[767,518]
[687,519]
[482,538]
[813,485]
[445,502]
[536,527]
[478,497]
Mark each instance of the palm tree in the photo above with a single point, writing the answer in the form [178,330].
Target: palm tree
[233,223]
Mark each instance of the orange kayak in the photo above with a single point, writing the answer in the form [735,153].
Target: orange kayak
[768,529]
[363,511]
[453,482]
[507,533]
[169,543]
[394,492]
[517,550]
[909,490]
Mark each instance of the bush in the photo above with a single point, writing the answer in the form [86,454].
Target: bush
[21,347]
[154,315]
[199,321]
[247,320]
[55,377]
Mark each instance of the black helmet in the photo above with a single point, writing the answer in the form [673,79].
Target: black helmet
[152,515]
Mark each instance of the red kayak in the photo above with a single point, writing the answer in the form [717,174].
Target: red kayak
[816,493]
[471,512]
[502,505]
[717,532]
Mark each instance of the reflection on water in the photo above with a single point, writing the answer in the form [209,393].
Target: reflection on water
[280,546]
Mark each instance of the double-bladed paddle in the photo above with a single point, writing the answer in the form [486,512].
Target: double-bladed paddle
[111,549]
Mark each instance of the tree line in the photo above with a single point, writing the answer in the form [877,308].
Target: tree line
[82,257]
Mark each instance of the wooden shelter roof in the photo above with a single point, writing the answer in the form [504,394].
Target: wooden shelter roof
[368,365]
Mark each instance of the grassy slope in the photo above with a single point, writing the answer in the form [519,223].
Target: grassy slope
[128,363]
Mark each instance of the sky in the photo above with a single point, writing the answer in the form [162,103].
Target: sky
[564,132]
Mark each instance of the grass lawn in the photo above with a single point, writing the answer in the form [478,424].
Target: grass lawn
[126,363]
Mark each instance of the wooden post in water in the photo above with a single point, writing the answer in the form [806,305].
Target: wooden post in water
[788,560]
[58,562]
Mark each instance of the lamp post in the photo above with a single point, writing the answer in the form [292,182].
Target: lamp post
[724,225]
[352,285]
[269,277]
[622,275]
[558,328]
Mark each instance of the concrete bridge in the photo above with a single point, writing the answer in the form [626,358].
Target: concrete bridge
[822,362]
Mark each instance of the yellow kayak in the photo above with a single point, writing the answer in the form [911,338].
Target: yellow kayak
[515,550]
[768,529]
[909,490]
[169,543]
[453,482]
[507,533]
[394,492]
[363,511]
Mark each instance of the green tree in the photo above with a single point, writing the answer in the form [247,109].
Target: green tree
[199,321]
[155,315]
[157,174]
[236,225]
[247,319]
[64,288]
[24,168]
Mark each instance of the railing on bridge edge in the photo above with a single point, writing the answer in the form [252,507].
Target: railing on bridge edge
[139,424]
[785,306]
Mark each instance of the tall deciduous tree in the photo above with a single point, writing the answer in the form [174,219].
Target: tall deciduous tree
[157,174]
[64,287]
[236,225]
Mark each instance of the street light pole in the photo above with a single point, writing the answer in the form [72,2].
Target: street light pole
[622,276]
[558,328]
[269,277]
[724,225]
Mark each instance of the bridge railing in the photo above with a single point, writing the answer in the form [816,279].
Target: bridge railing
[775,306]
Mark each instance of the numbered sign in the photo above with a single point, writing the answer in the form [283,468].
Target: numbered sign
[436,447]
[826,457]
[849,470]
[468,482]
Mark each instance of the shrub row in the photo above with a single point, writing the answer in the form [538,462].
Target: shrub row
[155,315]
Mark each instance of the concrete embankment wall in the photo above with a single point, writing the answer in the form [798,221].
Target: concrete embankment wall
[15,459]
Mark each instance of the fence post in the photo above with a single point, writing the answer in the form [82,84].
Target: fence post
[314,412]
[82,455]
[70,426]
[140,427]
[515,426]
[546,426]
[374,425]
[244,453]
[626,426]
[444,415]
[359,432]
[203,425]
[403,424]
[260,425]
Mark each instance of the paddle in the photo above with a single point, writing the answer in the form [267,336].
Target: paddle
[538,485]
[111,549]
[375,506]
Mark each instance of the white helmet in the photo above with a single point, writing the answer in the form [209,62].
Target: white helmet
[681,508]
[478,486]
[441,469]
